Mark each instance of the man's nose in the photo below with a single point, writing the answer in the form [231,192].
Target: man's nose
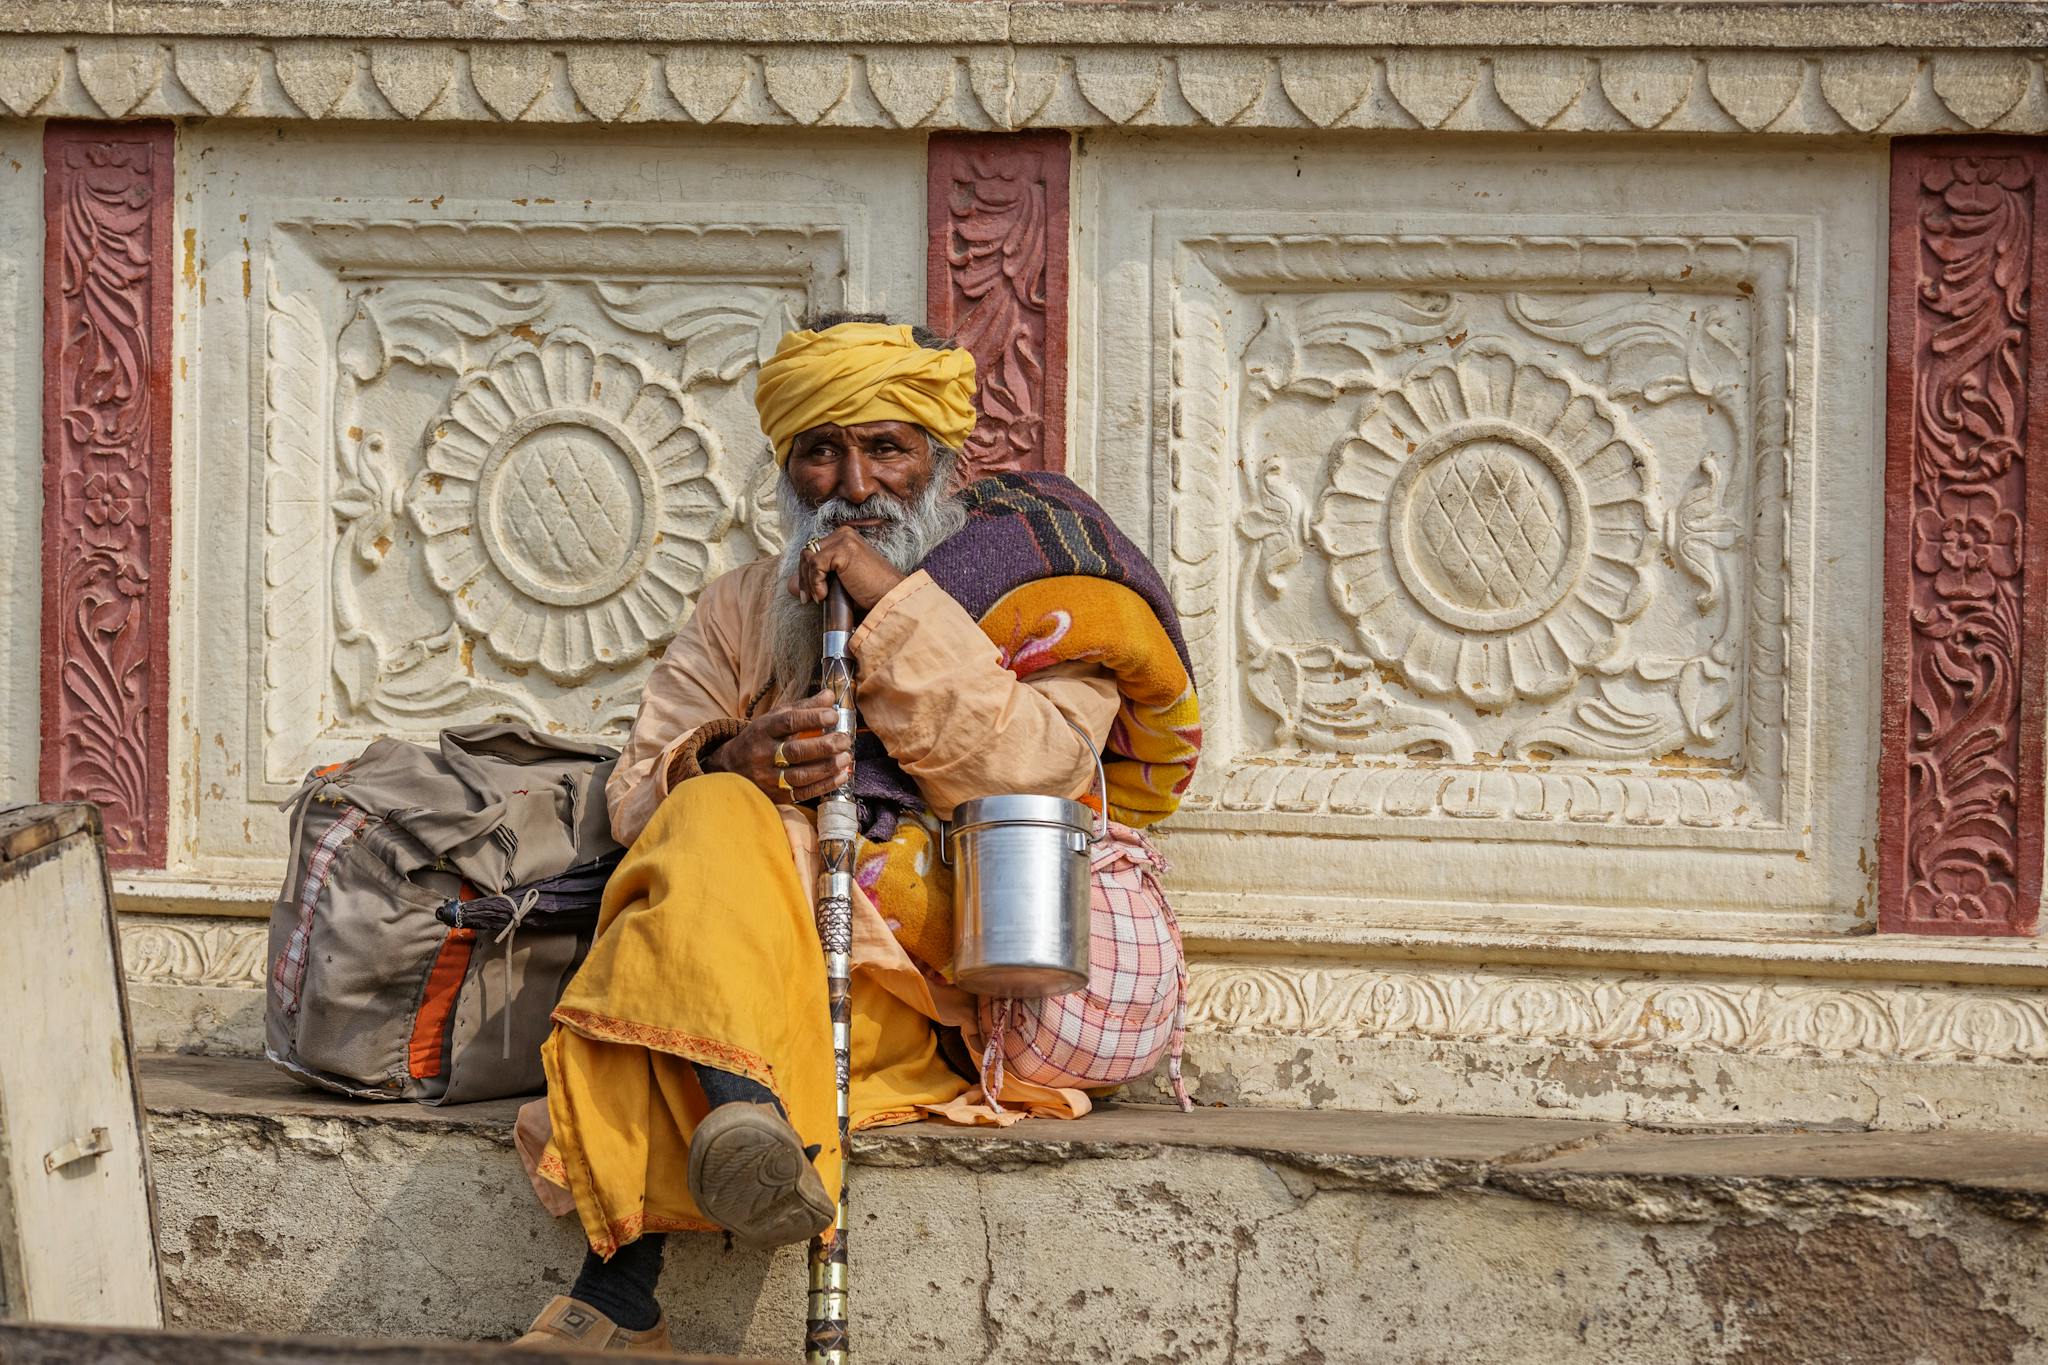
[856,478]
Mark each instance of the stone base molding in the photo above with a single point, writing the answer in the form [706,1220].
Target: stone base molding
[1787,1040]
[1664,1049]
[1853,69]
[194,952]
[1805,1018]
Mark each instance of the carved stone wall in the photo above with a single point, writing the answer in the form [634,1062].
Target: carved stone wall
[107,478]
[500,440]
[511,484]
[1499,527]
[997,281]
[1967,568]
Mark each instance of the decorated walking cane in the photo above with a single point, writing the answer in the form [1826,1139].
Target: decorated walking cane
[825,1336]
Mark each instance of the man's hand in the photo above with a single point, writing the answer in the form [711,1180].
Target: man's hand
[866,576]
[818,758]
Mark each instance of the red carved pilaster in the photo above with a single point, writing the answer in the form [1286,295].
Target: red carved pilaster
[107,476]
[1966,574]
[997,264]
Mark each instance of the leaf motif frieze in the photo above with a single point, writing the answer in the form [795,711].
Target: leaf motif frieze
[995,86]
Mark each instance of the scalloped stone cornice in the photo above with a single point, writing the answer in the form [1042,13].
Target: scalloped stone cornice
[1830,69]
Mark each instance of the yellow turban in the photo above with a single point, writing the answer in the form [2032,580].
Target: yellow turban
[864,372]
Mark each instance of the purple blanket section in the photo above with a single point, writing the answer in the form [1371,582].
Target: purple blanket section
[1021,527]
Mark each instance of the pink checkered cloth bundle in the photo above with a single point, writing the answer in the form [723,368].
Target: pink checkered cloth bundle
[1134,1009]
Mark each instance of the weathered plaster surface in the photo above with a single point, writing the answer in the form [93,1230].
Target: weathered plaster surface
[1467,1240]
[21,459]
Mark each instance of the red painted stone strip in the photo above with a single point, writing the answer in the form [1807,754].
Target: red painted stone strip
[1966,571]
[107,476]
[997,263]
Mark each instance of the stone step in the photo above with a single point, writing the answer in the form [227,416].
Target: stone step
[41,1343]
[1143,1234]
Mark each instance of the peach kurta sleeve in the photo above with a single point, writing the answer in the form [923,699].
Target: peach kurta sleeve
[696,683]
[962,725]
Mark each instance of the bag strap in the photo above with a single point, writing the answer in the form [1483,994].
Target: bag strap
[509,937]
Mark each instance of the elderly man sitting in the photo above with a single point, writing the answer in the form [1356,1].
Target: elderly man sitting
[1010,634]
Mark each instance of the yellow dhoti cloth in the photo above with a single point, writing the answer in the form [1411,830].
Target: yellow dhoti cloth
[707,952]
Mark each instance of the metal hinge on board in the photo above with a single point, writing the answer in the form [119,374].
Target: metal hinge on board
[78,1149]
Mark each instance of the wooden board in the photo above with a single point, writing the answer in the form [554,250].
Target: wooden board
[77,1223]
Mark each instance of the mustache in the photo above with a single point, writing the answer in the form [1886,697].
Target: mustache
[835,512]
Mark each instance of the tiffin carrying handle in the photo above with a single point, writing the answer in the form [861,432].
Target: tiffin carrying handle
[1101,780]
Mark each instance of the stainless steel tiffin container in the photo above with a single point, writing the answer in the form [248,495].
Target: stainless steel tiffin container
[1021,893]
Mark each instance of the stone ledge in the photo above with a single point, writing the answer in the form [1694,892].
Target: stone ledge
[1218,1238]
[1631,1167]
[40,1343]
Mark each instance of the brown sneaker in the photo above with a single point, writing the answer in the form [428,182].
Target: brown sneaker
[572,1322]
[749,1175]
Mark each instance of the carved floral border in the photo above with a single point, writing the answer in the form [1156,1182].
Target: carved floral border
[1635,1014]
[1762,808]
[997,282]
[107,478]
[1966,581]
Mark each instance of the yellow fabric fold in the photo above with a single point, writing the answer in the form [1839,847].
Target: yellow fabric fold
[864,372]
[707,952]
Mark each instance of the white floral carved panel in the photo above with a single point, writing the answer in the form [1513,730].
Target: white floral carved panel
[501,458]
[1494,533]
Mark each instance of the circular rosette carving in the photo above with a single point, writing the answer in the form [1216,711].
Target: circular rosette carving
[568,505]
[1487,529]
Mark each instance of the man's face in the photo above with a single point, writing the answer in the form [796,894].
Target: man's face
[853,463]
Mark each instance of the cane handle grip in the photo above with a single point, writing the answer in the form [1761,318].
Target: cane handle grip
[838,606]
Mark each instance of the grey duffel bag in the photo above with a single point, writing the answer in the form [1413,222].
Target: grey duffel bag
[435,905]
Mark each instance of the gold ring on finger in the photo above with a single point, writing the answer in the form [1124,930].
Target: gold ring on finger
[812,544]
[782,781]
[781,758]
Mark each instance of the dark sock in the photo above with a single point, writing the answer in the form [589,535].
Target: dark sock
[623,1288]
[727,1087]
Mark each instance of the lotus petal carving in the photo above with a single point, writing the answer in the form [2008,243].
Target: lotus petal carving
[1487,528]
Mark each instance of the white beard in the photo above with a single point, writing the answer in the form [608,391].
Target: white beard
[909,531]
